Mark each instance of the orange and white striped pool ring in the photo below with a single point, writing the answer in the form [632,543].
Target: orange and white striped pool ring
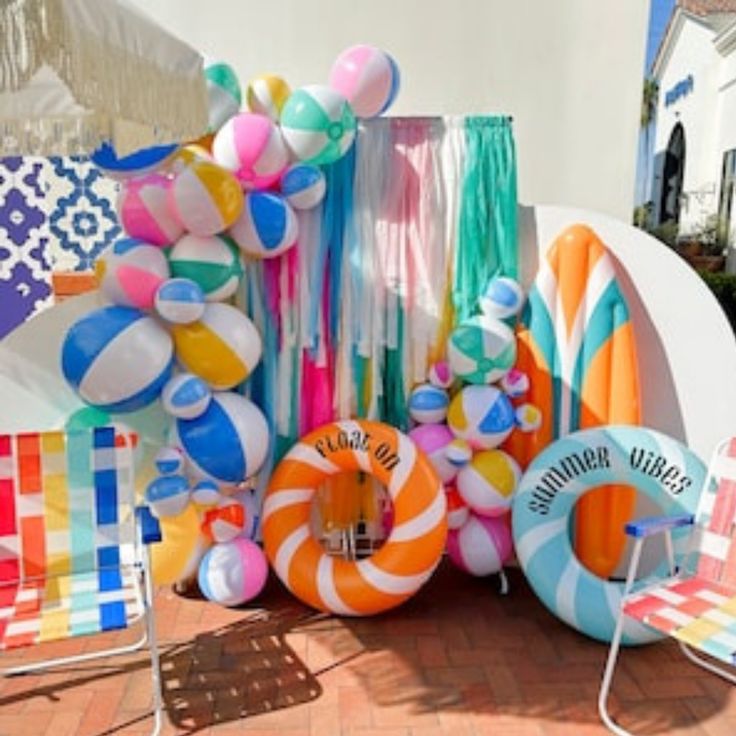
[413,548]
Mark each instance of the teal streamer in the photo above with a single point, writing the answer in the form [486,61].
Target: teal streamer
[488,229]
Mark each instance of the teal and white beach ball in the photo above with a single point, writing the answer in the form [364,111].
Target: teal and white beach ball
[180,300]
[224,95]
[117,358]
[483,416]
[186,396]
[268,226]
[303,186]
[318,124]
[481,349]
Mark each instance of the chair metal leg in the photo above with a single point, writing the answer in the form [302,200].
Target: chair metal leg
[706,664]
[158,705]
[613,653]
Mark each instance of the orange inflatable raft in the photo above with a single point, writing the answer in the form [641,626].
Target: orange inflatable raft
[411,551]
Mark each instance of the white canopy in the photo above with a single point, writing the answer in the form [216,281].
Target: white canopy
[77,73]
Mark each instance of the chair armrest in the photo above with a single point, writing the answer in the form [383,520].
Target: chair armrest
[148,524]
[642,528]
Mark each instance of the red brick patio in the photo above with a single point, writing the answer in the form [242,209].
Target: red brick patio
[457,660]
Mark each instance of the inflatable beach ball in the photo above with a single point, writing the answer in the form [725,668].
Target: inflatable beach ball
[169,461]
[206,198]
[318,124]
[268,226]
[213,262]
[367,77]
[428,404]
[206,493]
[440,374]
[233,573]
[432,440]
[144,210]
[186,396]
[130,272]
[481,349]
[482,416]
[457,510]
[223,94]
[180,301]
[137,163]
[222,348]
[488,482]
[502,298]
[251,146]
[228,443]
[186,156]
[167,495]
[117,358]
[515,383]
[481,546]
[459,452]
[247,499]
[303,186]
[267,95]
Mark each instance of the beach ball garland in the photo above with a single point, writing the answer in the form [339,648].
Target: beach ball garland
[267,94]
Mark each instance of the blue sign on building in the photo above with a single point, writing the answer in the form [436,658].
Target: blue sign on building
[681,89]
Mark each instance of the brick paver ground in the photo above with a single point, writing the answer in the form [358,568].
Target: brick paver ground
[457,660]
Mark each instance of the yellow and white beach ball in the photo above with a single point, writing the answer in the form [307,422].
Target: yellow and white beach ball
[266,94]
[488,482]
[482,416]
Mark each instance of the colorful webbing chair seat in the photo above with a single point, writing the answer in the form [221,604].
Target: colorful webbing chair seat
[697,605]
[73,557]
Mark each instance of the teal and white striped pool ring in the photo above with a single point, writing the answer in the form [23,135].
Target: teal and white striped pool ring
[656,465]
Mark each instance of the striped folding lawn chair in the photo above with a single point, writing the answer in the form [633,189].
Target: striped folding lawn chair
[73,554]
[696,605]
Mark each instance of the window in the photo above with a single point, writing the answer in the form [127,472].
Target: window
[728,194]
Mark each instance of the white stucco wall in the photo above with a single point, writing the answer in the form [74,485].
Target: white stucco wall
[569,71]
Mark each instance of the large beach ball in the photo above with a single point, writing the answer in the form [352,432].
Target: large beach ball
[117,358]
[367,77]
[206,198]
[137,163]
[233,573]
[130,272]
[481,545]
[213,262]
[267,95]
[223,94]
[428,404]
[481,349]
[177,556]
[268,226]
[144,210]
[228,443]
[167,495]
[481,415]
[432,440]
[488,481]
[222,348]
[251,146]
[303,186]
[318,124]
[180,301]
[502,298]
[186,396]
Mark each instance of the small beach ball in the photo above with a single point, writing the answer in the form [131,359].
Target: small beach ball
[180,301]
[318,124]
[267,95]
[515,383]
[233,573]
[457,510]
[502,298]
[432,440]
[117,358]
[186,396]
[206,493]
[481,415]
[144,210]
[251,146]
[169,461]
[481,545]
[225,521]
[481,349]
[303,186]
[428,404]
[222,348]
[228,443]
[528,417]
[213,262]
[247,499]
[130,272]
[367,77]
[137,163]
[268,226]
[459,452]
[206,198]
[167,495]
[488,482]
[223,94]
[440,374]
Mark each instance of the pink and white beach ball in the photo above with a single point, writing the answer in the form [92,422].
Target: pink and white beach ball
[481,546]
[433,439]
[145,212]
[233,572]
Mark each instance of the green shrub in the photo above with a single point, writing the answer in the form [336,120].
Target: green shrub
[723,286]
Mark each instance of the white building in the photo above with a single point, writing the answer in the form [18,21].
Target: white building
[694,168]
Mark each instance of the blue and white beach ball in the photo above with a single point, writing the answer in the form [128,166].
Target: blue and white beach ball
[481,349]
[206,493]
[180,301]
[169,461]
[167,495]
[502,298]
[135,164]
[303,186]
[483,416]
[267,227]
[186,396]
[428,404]
[228,443]
[117,358]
